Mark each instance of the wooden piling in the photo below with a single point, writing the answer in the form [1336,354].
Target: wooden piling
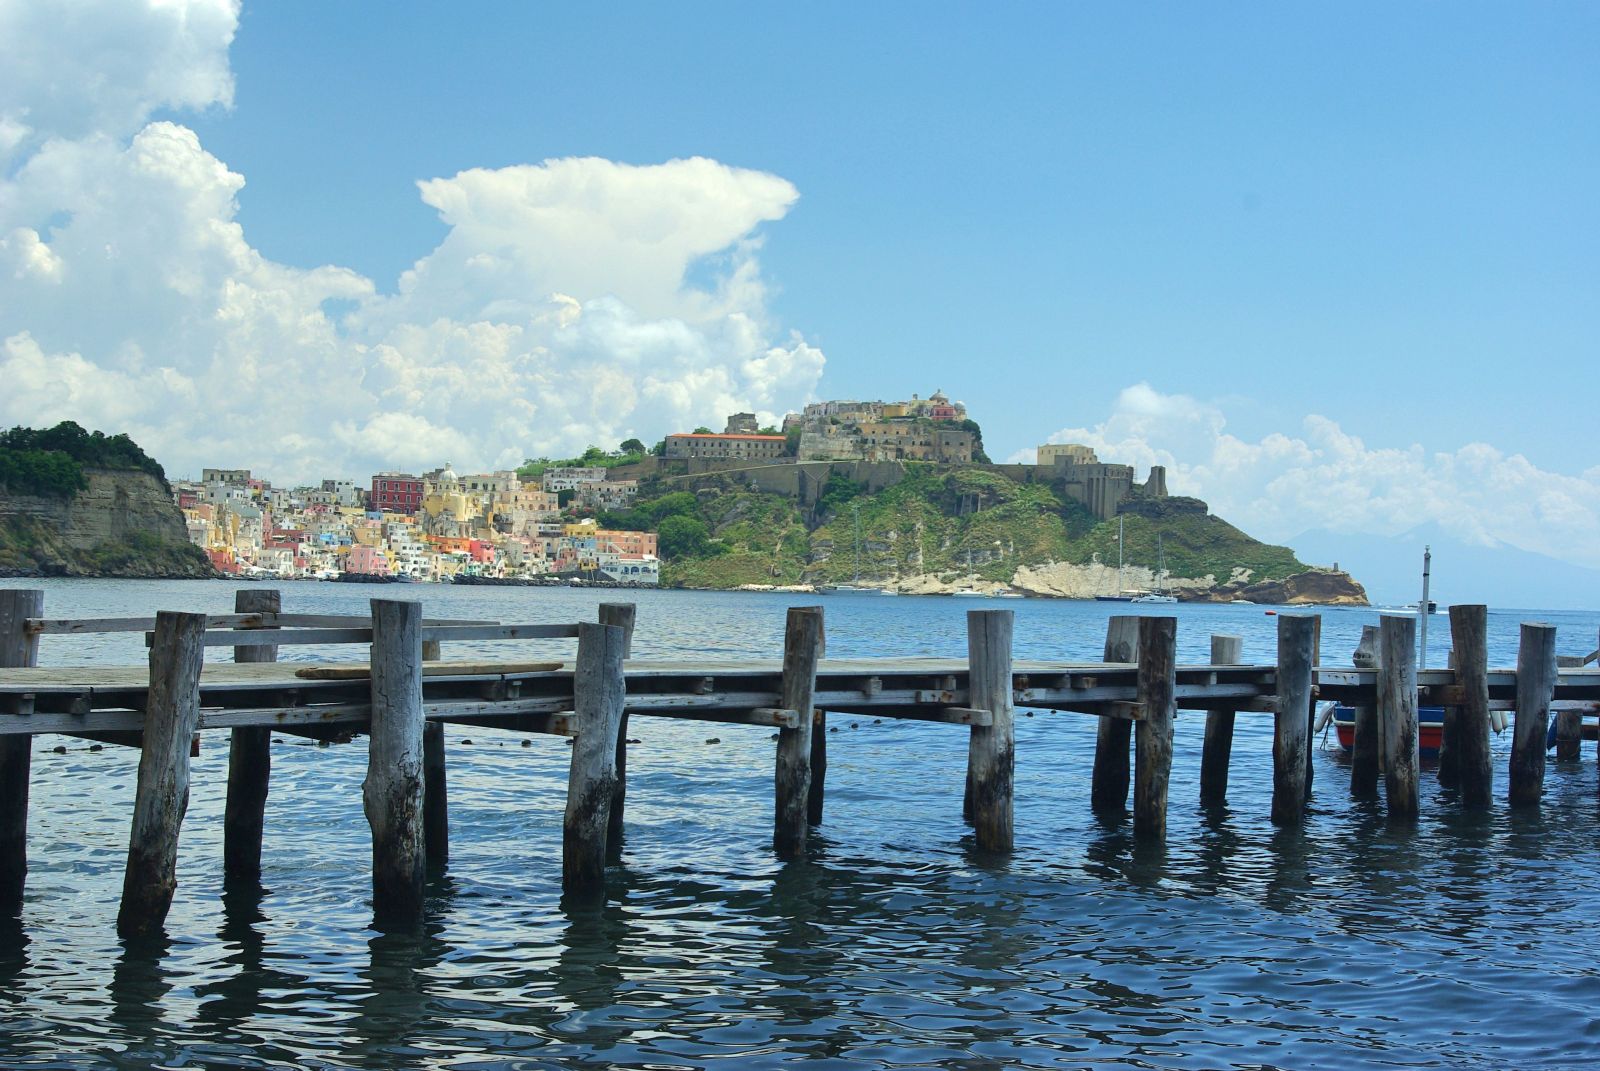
[1108,786]
[802,649]
[1291,737]
[17,648]
[819,763]
[622,615]
[1449,757]
[598,697]
[172,713]
[991,753]
[1218,750]
[1569,723]
[249,760]
[435,783]
[1397,713]
[393,790]
[1536,684]
[1469,627]
[1366,747]
[1158,681]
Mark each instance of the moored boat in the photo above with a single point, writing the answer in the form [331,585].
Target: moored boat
[1430,727]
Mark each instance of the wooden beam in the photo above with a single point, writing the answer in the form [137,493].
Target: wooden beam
[623,615]
[1365,764]
[1397,714]
[249,759]
[802,649]
[598,685]
[1536,676]
[1158,644]
[392,792]
[1218,748]
[1291,736]
[991,752]
[1469,627]
[1108,787]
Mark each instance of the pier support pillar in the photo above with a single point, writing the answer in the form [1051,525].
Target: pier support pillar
[1569,723]
[622,615]
[819,764]
[249,761]
[598,697]
[1397,714]
[991,753]
[435,784]
[17,648]
[1291,737]
[392,793]
[1108,788]
[1536,686]
[802,649]
[172,714]
[1469,627]
[1158,679]
[1218,750]
[1366,746]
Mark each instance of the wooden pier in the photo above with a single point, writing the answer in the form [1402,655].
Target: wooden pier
[405,692]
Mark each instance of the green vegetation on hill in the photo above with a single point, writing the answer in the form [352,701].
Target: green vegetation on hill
[50,462]
[629,452]
[939,521]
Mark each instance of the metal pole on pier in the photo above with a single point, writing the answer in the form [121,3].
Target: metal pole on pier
[1423,609]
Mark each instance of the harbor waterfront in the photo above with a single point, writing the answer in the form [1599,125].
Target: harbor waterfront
[1456,942]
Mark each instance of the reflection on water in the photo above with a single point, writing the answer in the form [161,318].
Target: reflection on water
[1461,942]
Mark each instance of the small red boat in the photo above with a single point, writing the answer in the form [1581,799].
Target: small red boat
[1430,727]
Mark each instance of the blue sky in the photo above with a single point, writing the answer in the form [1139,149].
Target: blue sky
[1335,267]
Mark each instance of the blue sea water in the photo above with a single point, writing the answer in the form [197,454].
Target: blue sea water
[1463,942]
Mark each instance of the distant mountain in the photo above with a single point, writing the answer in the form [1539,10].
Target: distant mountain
[1502,577]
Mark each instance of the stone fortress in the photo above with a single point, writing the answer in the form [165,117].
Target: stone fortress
[869,442]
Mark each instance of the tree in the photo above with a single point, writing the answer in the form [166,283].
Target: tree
[631,446]
[977,441]
[703,430]
[683,537]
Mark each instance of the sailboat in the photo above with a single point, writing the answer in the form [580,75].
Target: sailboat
[855,586]
[1160,594]
[1122,595]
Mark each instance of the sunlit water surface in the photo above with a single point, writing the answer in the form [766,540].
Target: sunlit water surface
[1466,942]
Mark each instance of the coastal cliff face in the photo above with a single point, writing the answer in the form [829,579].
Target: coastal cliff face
[124,524]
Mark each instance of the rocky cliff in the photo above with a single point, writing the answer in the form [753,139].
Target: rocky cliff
[123,524]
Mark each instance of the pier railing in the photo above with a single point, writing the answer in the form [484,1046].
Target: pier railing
[405,692]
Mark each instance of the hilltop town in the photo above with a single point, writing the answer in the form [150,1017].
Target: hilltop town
[894,496]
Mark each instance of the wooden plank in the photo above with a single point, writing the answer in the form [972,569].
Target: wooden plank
[249,760]
[161,796]
[18,647]
[1469,627]
[1108,789]
[599,693]
[330,636]
[362,670]
[1536,675]
[1158,644]
[392,792]
[991,752]
[802,649]
[1217,751]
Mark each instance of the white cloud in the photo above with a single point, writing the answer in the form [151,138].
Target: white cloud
[1322,477]
[79,67]
[571,302]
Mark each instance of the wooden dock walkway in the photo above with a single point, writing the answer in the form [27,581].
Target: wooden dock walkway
[405,692]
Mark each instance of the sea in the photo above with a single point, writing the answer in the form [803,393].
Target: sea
[1464,941]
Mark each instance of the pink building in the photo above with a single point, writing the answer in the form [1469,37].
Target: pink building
[367,560]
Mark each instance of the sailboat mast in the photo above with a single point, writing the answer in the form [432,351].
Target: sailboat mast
[1423,607]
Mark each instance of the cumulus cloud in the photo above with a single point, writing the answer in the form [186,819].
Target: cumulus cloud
[571,302]
[1321,476]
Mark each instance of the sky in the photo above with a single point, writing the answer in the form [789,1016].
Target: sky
[1336,267]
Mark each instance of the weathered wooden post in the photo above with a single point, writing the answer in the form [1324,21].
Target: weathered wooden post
[1569,723]
[1108,786]
[1158,681]
[1469,629]
[1449,757]
[18,647]
[435,783]
[1218,751]
[1536,685]
[819,765]
[393,790]
[249,760]
[1397,713]
[598,688]
[991,752]
[802,649]
[1291,737]
[1364,749]
[622,615]
[172,713]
